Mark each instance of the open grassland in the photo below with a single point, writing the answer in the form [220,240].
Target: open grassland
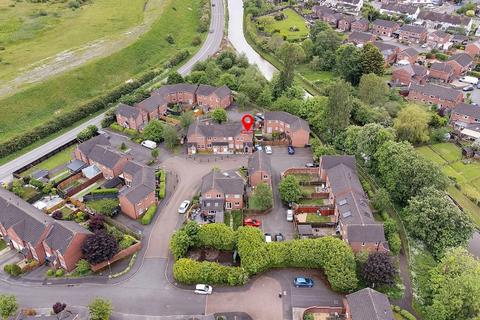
[38,103]
[466,174]
[31,32]
[285,27]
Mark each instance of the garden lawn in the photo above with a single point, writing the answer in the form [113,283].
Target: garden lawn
[313,217]
[31,32]
[292,19]
[69,90]
[53,162]
[448,151]
[317,202]
[311,75]
[428,153]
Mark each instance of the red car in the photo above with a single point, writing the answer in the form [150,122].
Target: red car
[252,222]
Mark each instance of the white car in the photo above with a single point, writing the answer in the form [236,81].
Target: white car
[203,289]
[149,144]
[184,206]
[268,150]
[289,215]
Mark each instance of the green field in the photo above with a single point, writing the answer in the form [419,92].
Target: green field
[53,162]
[466,174]
[67,91]
[284,27]
[30,32]
[311,75]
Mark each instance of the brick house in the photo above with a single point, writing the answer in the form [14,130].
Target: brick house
[356,223]
[461,63]
[183,93]
[412,73]
[473,49]
[259,169]
[442,71]
[439,39]
[210,97]
[63,245]
[295,129]
[388,51]
[361,38]
[109,160]
[412,33]
[465,114]
[139,192]
[345,23]
[130,117]
[82,151]
[430,93]
[220,192]
[38,236]
[409,54]
[384,27]
[400,10]
[360,25]
[152,107]
[435,20]
[368,304]
[224,138]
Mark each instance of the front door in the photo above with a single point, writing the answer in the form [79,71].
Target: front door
[228,205]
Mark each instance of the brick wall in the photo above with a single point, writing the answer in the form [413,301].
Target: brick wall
[121,255]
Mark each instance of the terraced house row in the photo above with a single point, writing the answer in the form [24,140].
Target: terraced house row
[188,95]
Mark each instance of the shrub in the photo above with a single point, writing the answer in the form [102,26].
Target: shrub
[99,247]
[104,191]
[57,215]
[126,242]
[407,315]
[190,272]
[50,273]
[216,235]
[58,307]
[81,217]
[162,190]
[97,222]
[112,230]
[59,273]
[116,127]
[170,39]
[100,309]
[148,216]
[396,308]
[12,269]
[83,267]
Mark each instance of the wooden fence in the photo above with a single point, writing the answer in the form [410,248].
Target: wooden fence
[119,256]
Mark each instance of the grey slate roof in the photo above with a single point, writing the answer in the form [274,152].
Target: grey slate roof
[362,21]
[368,304]
[228,184]
[360,36]
[412,28]
[441,34]
[229,129]
[62,234]
[411,52]
[105,155]
[468,110]
[414,70]
[444,18]
[295,122]
[259,161]
[174,88]
[430,89]
[223,91]
[87,146]
[385,23]
[366,233]
[400,8]
[76,165]
[442,67]
[328,162]
[205,90]
[143,182]
[385,47]
[462,59]
[152,103]
[127,111]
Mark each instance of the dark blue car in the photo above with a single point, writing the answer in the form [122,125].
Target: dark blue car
[300,282]
[291,150]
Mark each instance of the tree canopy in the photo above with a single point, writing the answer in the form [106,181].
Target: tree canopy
[219,115]
[99,247]
[8,306]
[100,309]
[153,131]
[379,270]
[411,124]
[289,189]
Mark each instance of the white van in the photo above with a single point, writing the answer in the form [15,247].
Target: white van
[149,144]
[469,79]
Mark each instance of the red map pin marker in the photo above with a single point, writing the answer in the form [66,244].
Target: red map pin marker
[247,121]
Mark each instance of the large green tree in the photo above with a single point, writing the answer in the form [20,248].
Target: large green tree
[348,63]
[291,54]
[8,306]
[289,189]
[454,287]
[405,173]
[219,115]
[153,131]
[372,60]
[326,44]
[186,119]
[170,136]
[433,218]
[373,90]
[369,139]
[262,197]
[337,113]
[100,309]
[411,124]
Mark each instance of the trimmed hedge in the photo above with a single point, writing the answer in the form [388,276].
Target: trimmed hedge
[148,216]
[104,191]
[12,269]
[191,272]
[67,119]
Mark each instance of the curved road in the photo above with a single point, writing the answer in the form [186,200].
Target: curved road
[210,46]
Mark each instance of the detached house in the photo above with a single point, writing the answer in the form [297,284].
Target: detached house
[361,38]
[412,33]
[384,27]
[412,73]
[345,23]
[442,71]
[356,223]
[38,236]
[429,93]
[221,192]
[473,49]
[259,169]
[210,97]
[388,51]
[461,63]
[439,39]
[368,304]
[224,138]
[130,117]
[408,54]
[293,128]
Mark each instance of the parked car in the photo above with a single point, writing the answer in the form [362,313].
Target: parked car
[301,282]
[252,222]
[149,144]
[311,165]
[279,237]
[291,150]
[469,79]
[268,149]
[268,237]
[260,116]
[184,206]
[468,88]
[258,147]
[478,85]
[289,215]
[203,289]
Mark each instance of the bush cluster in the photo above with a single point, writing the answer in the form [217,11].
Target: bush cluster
[176,59]
[66,119]
[12,269]
[190,272]
[205,18]
[148,216]
[161,177]
[104,191]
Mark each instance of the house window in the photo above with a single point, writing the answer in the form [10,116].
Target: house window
[265,177]
[208,196]
[237,204]
[219,196]
[208,204]
[228,205]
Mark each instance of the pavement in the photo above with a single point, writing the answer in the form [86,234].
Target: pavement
[209,47]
